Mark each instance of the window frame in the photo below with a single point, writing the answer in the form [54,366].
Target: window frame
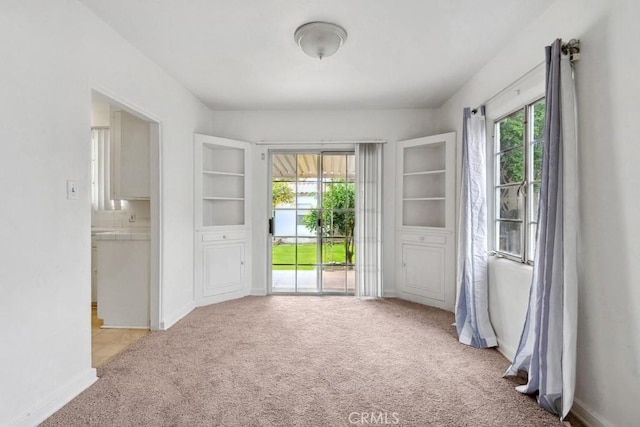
[525,188]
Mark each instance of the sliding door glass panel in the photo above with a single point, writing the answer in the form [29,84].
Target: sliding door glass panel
[337,221]
[313,217]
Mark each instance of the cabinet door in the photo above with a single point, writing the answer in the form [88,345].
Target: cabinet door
[423,270]
[223,269]
[130,157]
[123,283]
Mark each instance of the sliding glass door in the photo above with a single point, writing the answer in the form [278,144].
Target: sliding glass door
[313,220]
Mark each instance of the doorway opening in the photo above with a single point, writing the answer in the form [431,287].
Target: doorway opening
[312,223]
[125,232]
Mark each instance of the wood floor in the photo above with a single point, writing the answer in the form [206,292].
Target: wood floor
[106,343]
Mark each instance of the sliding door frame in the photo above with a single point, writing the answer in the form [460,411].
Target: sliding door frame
[321,150]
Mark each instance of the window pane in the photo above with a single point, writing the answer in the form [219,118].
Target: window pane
[338,195]
[510,203]
[515,208]
[511,166]
[334,166]
[306,253]
[351,166]
[338,222]
[307,166]
[538,120]
[283,193]
[536,173]
[336,251]
[283,253]
[509,237]
[511,131]
[284,167]
[535,198]
[307,194]
[532,240]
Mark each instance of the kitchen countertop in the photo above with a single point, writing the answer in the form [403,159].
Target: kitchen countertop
[142,233]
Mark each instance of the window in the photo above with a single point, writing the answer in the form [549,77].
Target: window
[518,170]
[101,171]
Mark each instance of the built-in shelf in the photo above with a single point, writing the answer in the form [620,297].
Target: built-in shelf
[425,172]
[222,173]
[424,193]
[221,165]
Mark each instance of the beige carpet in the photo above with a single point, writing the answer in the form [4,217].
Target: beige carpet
[305,361]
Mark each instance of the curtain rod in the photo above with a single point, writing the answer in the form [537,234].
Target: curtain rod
[323,141]
[572,48]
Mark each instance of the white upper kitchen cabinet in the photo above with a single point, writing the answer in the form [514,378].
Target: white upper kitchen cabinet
[129,157]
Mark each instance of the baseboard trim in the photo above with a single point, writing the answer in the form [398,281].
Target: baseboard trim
[169,321]
[123,327]
[258,292]
[227,296]
[425,301]
[389,294]
[57,400]
[508,352]
[587,416]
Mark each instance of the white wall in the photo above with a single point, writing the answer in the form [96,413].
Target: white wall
[53,53]
[609,320]
[352,125]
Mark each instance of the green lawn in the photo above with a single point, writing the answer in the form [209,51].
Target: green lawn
[286,254]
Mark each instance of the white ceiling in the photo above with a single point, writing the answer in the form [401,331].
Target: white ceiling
[240,54]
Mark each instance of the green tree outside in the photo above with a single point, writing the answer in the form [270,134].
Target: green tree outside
[512,137]
[338,214]
[512,167]
[282,193]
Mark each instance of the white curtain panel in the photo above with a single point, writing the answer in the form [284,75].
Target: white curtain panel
[547,349]
[570,234]
[472,305]
[368,233]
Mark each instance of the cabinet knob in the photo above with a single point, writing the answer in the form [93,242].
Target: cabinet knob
[224,236]
[421,238]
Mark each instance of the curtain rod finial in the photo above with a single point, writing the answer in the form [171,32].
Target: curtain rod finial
[572,48]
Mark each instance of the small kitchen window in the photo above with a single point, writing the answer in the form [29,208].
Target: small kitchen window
[101,171]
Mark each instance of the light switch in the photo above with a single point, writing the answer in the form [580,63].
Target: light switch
[72,190]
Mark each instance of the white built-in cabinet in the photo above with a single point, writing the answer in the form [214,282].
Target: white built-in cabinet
[222,218]
[129,157]
[425,246]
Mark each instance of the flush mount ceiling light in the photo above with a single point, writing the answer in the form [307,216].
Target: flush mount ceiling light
[320,39]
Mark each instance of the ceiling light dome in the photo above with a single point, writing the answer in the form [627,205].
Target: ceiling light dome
[320,39]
